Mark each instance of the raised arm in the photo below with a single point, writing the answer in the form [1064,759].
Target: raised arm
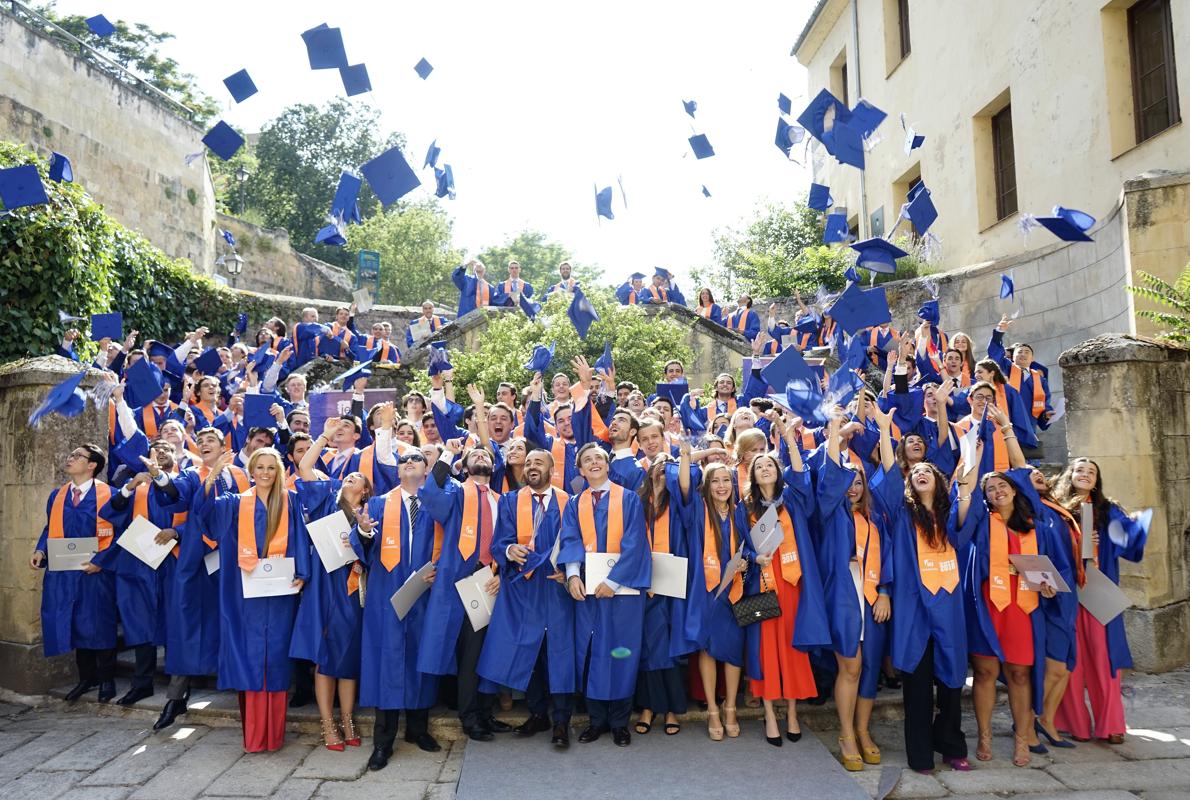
[884,424]
[1016,458]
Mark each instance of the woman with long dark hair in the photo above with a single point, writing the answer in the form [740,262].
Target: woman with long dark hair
[707,307]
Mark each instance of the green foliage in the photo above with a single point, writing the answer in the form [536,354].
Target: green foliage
[227,184]
[641,344]
[136,48]
[539,259]
[69,255]
[1176,297]
[300,156]
[416,254]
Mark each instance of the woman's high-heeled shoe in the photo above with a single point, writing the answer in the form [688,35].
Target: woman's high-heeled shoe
[1021,756]
[714,726]
[871,755]
[775,741]
[331,737]
[853,763]
[732,728]
[983,751]
[350,734]
[1054,742]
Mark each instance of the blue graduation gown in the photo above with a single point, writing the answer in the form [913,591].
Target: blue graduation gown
[1131,548]
[996,352]
[626,472]
[389,677]
[1060,638]
[710,622]
[77,610]
[329,620]
[604,625]
[466,285]
[918,615]
[254,633]
[526,607]
[751,322]
[715,315]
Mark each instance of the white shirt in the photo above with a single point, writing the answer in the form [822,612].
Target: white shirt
[572,568]
[83,488]
[546,497]
[627,452]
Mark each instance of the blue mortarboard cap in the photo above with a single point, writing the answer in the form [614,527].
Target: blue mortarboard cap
[705,191]
[604,362]
[844,384]
[662,272]
[67,399]
[858,308]
[223,140]
[921,209]
[857,353]
[691,106]
[240,85]
[846,143]
[21,186]
[329,346]
[256,411]
[878,255]
[603,202]
[355,79]
[785,104]
[530,308]
[929,312]
[360,370]
[262,358]
[804,398]
[344,205]
[143,383]
[60,169]
[444,180]
[784,136]
[1068,224]
[815,117]
[331,235]
[701,146]
[173,367]
[228,237]
[100,26]
[637,276]
[541,358]
[820,197]
[788,365]
[390,176]
[432,155]
[1007,288]
[439,361]
[917,141]
[423,69]
[109,326]
[581,313]
[673,392]
[324,47]
[533,561]
[836,229]
[865,118]
[242,322]
[806,324]
[209,362]
[851,274]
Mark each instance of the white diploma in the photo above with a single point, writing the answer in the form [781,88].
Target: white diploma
[729,572]
[140,540]
[598,567]
[669,575]
[272,577]
[1036,570]
[331,536]
[766,533]
[476,601]
[363,300]
[211,562]
[1087,524]
[1101,597]
[69,555]
[415,586]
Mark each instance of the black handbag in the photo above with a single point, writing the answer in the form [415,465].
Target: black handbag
[758,607]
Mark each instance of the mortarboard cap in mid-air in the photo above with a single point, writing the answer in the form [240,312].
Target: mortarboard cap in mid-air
[705,191]
[1007,288]
[823,111]
[242,322]
[701,146]
[256,411]
[143,383]
[920,209]
[423,69]
[581,313]
[878,255]
[331,235]
[1068,224]
[929,312]
[390,176]
[107,326]
[324,47]
[541,358]
[691,106]
[785,104]
[67,399]
[836,229]
[851,274]
[432,155]
[209,362]
[787,136]
[60,169]
[603,202]
[673,392]
[355,79]
[240,85]
[858,308]
[444,180]
[223,140]
[788,365]
[345,206]
[21,186]
[604,362]
[820,197]
[100,25]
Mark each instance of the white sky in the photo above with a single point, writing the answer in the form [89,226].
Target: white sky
[533,103]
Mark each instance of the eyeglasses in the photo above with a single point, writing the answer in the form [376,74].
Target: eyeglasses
[416,458]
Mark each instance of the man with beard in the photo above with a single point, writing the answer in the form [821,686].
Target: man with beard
[565,282]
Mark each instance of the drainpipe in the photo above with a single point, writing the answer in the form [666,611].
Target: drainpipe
[864,221]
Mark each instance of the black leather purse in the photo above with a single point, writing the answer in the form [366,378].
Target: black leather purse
[758,607]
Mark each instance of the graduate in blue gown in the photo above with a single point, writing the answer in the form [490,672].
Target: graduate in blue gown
[255,632]
[78,607]
[608,626]
[530,643]
[707,307]
[474,291]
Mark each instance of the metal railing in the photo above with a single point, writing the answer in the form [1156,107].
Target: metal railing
[28,16]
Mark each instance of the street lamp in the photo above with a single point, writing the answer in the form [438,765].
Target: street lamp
[234,264]
[242,176]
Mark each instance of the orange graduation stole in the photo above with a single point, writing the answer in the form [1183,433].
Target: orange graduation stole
[999,446]
[149,418]
[659,294]
[1016,376]
[524,517]
[712,569]
[705,311]
[558,451]
[615,519]
[999,567]
[390,529]
[140,508]
[867,552]
[112,424]
[483,293]
[241,479]
[791,563]
[739,320]
[937,568]
[337,329]
[103,528]
[468,526]
[659,541]
[1076,540]
[730,404]
[246,538]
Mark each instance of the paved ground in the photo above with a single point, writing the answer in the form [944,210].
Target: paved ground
[48,751]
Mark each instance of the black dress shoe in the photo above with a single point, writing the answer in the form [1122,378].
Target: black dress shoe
[173,709]
[107,690]
[536,723]
[793,737]
[134,694]
[621,737]
[301,698]
[592,733]
[496,726]
[480,734]
[561,738]
[80,689]
[426,742]
[379,759]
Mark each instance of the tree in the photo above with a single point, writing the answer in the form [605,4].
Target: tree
[1176,297]
[416,253]
[641,344]
[300,156]
[224,177]
[539,260]
[135,47]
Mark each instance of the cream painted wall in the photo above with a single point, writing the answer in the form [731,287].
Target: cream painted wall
[1061,64]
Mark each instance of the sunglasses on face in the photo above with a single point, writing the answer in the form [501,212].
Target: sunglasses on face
[416,458]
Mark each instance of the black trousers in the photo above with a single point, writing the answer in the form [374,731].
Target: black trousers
[384,731]
[146,665]
[609,713]
[303,676]
[662,691]
[475,707]
[537,694]
[95,666]
[926,733]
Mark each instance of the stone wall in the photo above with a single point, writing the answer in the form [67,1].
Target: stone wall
[30,468]
[272,266]
[1158,233]
[127,149]
[1129,410]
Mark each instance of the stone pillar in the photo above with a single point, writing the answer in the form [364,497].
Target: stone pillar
[1128,404]
[30,467]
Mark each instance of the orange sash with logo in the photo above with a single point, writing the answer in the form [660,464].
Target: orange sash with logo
[712,569]
[390,529]
[787,553]
[1016,376]
[468,526]
[615,519]
[558,451]
[103,528]
[938,569]
[1000,569]
[246,538]
[867,552]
